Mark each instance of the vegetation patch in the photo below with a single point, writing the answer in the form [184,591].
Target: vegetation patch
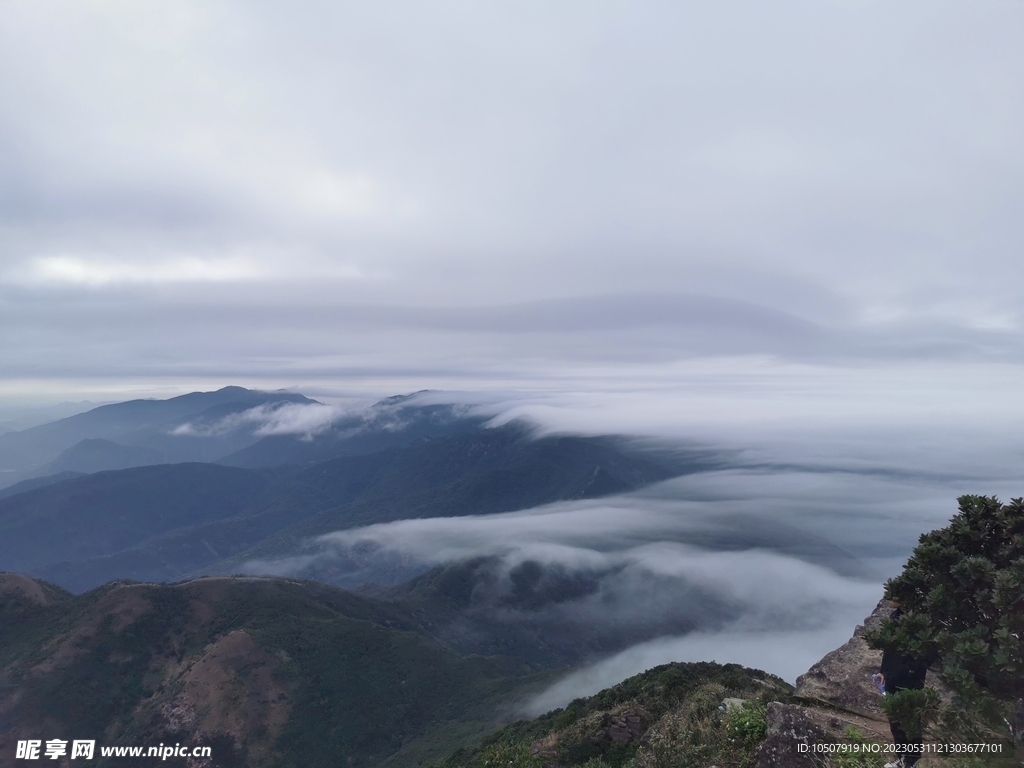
[962,597]
[673,715]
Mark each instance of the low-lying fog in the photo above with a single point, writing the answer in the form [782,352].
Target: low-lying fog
[770,563]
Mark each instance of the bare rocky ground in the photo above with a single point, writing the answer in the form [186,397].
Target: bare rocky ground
[22,587]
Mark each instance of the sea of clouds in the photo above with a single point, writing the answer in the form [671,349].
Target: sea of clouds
[769,561]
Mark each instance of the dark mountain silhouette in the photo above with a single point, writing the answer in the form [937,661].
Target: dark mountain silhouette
[166,522]
[97,455]
[143,424]
[36,482]
[99,514]
[497,470]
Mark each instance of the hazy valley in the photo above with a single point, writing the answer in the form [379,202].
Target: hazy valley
[291,582]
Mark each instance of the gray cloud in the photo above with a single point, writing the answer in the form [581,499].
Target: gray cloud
[644,576]
[770,563]
[359,198]
[775,650]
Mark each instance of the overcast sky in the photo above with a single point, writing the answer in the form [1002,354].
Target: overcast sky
[799,196]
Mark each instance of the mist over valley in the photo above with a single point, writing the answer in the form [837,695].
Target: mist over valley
[539,385]
[508,535]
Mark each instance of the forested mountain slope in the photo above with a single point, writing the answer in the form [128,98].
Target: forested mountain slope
[266,671]
[165,522]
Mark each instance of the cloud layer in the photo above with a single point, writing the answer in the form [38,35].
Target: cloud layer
[770,563]
[306,419]
[381,199]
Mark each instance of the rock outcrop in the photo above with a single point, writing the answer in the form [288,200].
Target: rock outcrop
[629,725]
[790,728]
[794,730]
[840,694]
[842,678]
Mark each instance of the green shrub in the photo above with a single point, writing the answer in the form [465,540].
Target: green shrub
[962,595]
[914,710]
[747,725]
[699,734]
[679,708]
[509,755]
[859,759]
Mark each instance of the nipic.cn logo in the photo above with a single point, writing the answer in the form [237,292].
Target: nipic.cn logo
[54,749]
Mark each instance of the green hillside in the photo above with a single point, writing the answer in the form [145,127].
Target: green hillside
[269,672]
[678,714]
[97,515]
[282,673]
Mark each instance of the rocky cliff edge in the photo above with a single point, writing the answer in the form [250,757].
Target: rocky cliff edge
[835,693]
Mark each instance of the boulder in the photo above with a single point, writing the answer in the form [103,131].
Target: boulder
[789,728]
[842,678]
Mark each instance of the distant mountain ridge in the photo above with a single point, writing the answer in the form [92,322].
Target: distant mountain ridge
[95,454]
[497,470]
[37,482]
[101,513]
[232,426]
[391,422]
[166,522]
[144,427]
[402,458]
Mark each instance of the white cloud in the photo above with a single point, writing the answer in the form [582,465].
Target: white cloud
[97,272]
[773,559]
[305,419]
[293,418]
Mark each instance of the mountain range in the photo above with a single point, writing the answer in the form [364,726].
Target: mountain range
[169,573]
[264,510]
[276,673]
[165,522]
[137,432]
